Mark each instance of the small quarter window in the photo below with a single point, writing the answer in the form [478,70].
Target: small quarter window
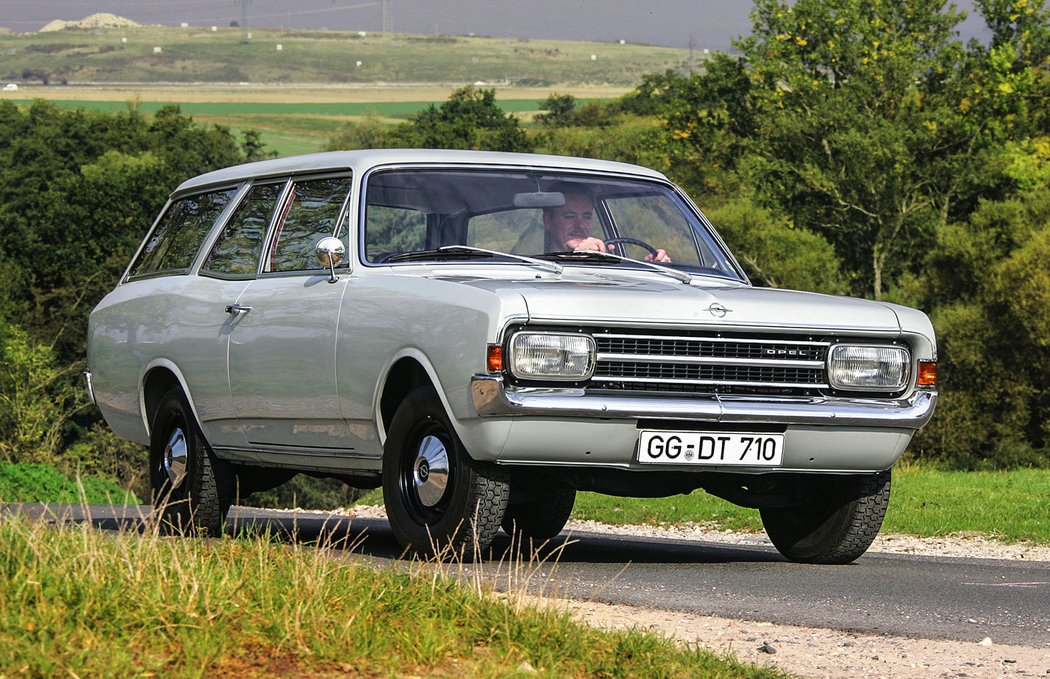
[311,213]
[237,250]
[174,243]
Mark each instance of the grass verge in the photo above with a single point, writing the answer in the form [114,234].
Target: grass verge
[41,483]
[1006,505]
[77,601]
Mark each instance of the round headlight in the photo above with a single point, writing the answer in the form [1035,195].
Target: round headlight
[551,356]
[868,368]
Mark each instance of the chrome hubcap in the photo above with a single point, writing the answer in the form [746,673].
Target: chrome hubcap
[430,471]
[175,455]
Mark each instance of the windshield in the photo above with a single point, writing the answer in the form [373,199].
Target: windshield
[410,215]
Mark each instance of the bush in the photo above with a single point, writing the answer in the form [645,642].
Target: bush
[41,483]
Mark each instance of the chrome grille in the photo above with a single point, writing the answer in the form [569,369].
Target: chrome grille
[702,364]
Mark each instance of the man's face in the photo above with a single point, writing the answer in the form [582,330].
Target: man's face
[571,223]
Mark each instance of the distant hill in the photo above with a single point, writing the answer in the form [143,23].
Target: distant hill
[94,51]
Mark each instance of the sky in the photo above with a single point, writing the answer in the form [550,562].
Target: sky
[710,24]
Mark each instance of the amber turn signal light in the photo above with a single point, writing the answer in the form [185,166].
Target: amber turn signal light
[495,358]
[927,374]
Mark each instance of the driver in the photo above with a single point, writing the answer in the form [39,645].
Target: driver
[569,227]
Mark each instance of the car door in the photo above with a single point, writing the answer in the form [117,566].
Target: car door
[229,268]
[284,334]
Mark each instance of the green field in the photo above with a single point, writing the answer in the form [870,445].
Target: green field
[1011,506]
[287,128]
[387,109]
[197,54]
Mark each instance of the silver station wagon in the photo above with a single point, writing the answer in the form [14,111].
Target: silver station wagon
[485,334]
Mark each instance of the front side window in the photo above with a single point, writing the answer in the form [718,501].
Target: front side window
[311,213]
[173,244]
[411,214]
[237,250]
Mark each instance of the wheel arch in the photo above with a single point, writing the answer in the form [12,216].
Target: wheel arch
[157,379]
[405,374]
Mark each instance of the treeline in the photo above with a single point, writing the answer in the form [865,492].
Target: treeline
[852,147]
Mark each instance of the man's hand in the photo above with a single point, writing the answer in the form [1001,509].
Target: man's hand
[660,256]
[590,243]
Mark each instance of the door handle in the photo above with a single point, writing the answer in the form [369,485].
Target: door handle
[236,309]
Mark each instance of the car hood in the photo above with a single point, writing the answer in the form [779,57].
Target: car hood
[589,298]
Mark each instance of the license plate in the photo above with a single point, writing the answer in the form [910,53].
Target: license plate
[711,448]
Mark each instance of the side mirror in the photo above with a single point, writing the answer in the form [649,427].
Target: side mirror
[330,253]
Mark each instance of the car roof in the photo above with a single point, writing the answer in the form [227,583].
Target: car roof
[363,160]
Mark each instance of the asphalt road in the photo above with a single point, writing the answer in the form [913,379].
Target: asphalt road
[917,596]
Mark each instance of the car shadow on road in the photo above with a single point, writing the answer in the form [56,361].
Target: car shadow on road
[373,538]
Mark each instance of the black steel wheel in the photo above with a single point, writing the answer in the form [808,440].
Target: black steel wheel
[836,520]
[192,489]
[438,500]
[540,517]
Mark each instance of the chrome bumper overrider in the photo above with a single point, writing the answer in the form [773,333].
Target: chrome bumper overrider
[89,387]
[492,398]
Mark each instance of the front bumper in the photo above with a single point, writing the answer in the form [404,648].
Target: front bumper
[493,398]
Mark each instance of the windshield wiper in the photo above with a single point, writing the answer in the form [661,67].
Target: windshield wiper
[469,252]
[598,256]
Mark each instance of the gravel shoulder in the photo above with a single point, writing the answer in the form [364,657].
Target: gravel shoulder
[816,652]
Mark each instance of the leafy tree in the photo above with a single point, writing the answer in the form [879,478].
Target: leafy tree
[774,253]
[469,119]
[368,133]
[847,132]
[559,110]
[989,281]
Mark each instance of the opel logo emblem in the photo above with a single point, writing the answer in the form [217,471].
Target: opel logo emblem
[717,310]
[424,471]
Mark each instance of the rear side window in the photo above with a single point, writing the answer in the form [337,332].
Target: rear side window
[238,248]
[173,245]
[310,214]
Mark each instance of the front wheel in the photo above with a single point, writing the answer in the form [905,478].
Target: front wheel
[191,488]
[836,521]
[437,498]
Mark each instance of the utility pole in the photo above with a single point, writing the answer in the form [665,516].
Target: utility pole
[388,17]
[244,19]
[692,44]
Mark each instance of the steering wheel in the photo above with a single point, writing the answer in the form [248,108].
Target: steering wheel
[633,241]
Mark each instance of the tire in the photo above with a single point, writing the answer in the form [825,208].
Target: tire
[838,523]
[192,489]
[541,518]
[438,500]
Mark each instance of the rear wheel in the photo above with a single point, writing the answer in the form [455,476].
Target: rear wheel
[836,521]
[191,488]
[539,518]
[437,498]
